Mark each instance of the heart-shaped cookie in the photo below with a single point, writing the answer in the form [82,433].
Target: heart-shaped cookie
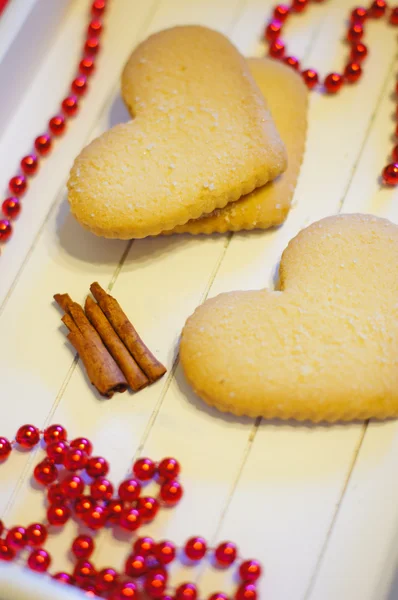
[202,137]
[287,98]
[323,347]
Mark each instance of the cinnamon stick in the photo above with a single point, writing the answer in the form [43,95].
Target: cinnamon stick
[101,368]
[152,368]
[132,372]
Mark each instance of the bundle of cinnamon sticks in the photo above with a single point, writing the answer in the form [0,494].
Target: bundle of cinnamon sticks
[114,355]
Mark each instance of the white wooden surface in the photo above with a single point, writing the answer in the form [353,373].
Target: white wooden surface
[317,505]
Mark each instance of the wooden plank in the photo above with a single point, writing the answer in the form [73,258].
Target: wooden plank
[365,529]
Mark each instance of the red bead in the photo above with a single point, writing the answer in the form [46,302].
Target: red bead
[355,32]
[130,519]
[55,433]
[43,144]
[281,12]
[394,16]
[92,46]
[218,596]
[358,15]
[5,230]
[75,459]
[395,158]
[148,508]
[5,451]
[98,7]
[89,588]
[83,444]
[377,9]
[169,468]
[36,534]
[250,570]
[97,467]
[125,591]
[17,538]
[18,185]
[115,509]
[299,5]
[129,490]
[273,30]
[195,548]
[83,504]
[390,174]
[39,560]
[84,572]
[225,554]
[79,85]
[144,546]
[101,489]
[135,566]
[352,72]
[165,552]
[333,83]
[58,514]
[83,546]
[144,469]
[171,492]
[70,106]
[186,591]
[358,52]
[155,584]
[311,78]
[72,486]
[95,28]
[6,552]
[11,208]
[95,517]
[45,472]
[106,580]
[57,125]
[277,49]
[30,164]
[246,591]
[87,66]
[55,494]
[57,451]
[28,436]
[64,578]
[292,61]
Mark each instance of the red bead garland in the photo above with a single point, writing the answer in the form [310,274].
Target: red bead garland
[149,560]
[57,124]
[352,72]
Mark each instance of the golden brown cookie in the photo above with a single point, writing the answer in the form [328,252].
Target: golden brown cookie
[324,347]
[202,137]
[287,98]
